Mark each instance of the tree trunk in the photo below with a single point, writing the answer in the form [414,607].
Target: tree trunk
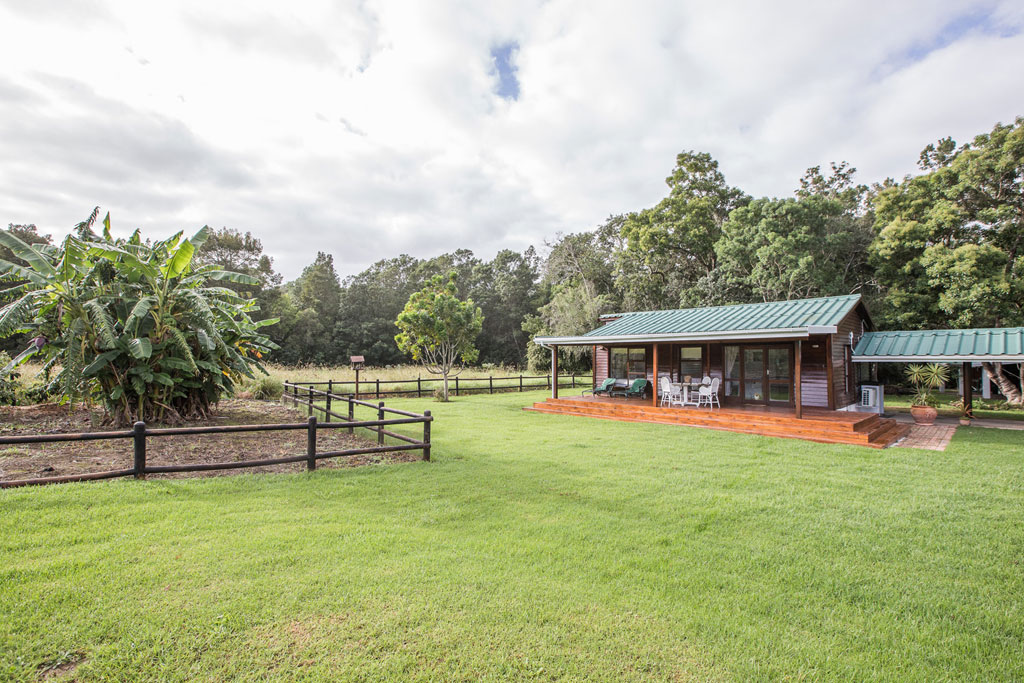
[1006,387]
[444,396]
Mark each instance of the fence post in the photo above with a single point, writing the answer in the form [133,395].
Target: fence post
[490,383]
[311,444]
[139,437]
[330,390]
[456,386]
[310,400]
[574,380]
[351,413]
[520,383]
[426,435]
[418,389]
[380,428]
[548,380]
[378,389]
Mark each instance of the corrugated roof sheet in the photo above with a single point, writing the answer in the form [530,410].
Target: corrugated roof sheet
[982,344]
[774,315]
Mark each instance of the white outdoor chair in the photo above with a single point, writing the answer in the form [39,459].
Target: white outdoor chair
[708,394]
[669,394]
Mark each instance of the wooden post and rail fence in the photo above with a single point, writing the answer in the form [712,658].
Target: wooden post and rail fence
[141,433]
[421,386]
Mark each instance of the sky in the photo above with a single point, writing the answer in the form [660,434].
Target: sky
[370,129]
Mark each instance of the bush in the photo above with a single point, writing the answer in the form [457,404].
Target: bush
[8,383]
[265,388]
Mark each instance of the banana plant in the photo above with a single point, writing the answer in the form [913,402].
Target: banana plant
[132,324]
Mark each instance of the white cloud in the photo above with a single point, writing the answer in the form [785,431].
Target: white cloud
[370,129]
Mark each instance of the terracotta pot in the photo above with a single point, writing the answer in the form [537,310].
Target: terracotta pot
[965,421]
[924,415]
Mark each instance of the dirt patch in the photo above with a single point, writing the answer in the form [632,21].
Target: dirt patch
[61,667]
[25,461]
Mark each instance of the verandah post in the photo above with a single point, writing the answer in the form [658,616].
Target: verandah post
[554,371]
[139,438]
[654,398]
[798,401]
[426,435]
[311,444]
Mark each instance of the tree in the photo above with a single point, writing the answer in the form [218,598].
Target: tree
[950,240]
[239,253]
[439,330]
[579,277]
[139,327]
[814,245]
[675,240]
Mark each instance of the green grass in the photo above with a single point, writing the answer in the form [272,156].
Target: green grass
[995,409]
[535,547]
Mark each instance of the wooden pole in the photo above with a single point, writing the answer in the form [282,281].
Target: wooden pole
[330,390]
[554,372]
[830,373]
[357,384]
[139,436]
[311,444]
[654,398]
[380,429]
[490,383]
[797,398]
[968,375]
[419,386]
[377,388]
[310,400]
[426,436]
[351,412]
[593,367]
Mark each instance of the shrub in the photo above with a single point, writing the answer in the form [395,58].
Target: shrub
[265,388]
[134,324]
[8,383]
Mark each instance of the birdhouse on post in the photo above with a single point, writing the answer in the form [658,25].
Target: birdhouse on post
[357,364]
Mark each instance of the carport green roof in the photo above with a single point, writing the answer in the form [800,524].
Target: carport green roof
[1004,344]
[776,319]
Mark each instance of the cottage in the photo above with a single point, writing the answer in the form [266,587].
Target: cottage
[772,364]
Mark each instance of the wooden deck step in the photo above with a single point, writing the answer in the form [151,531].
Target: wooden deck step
[832,427]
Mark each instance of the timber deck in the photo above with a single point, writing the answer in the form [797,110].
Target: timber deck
[822,426]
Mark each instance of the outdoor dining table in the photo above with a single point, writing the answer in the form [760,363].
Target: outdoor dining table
[686,388]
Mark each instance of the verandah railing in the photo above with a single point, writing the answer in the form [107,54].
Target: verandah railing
[421,386]
[140,433]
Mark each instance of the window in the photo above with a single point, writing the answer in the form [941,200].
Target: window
[627,363]
[691,361]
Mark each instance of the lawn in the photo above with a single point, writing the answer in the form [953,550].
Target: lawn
[534,547]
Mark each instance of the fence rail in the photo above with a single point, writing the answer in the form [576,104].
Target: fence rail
[420,385]
[140,433]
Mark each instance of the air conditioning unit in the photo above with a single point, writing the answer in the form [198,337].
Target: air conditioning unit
[872,398]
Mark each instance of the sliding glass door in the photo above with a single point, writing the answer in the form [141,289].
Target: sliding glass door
[758,374]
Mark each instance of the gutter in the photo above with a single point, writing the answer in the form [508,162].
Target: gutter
[737,335]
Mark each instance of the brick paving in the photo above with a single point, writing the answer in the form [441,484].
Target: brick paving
[932,438]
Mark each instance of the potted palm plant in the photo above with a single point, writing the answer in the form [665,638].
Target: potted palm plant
[925,378]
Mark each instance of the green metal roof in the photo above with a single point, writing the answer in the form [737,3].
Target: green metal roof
[774,315]
[993,344]
[775,318]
